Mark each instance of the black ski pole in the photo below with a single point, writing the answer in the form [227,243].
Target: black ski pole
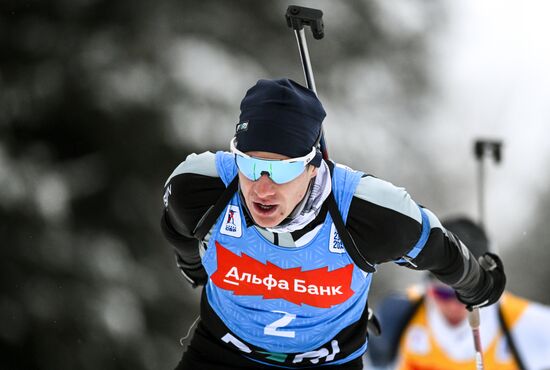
[481,149]
[297,17]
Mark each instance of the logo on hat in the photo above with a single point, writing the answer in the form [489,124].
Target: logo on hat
[242,126]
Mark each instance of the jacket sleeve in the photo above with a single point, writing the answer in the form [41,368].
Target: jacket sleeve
[188,193]
[388,225]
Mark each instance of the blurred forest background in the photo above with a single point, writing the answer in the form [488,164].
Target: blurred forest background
[100,100]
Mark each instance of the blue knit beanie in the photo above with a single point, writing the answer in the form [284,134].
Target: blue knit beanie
[280,116]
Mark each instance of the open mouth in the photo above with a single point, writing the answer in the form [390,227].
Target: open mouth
[264,209]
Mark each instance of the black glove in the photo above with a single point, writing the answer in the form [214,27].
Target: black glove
[195,273]
[495,282]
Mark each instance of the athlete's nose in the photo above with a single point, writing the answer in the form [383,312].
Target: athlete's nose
[264,186]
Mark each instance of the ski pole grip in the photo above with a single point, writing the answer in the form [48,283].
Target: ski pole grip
[298,16]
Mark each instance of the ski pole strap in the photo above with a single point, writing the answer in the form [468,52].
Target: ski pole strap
[510,339]
[358,258]
[209,218]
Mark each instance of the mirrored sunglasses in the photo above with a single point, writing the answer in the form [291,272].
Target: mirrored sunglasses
[279,170]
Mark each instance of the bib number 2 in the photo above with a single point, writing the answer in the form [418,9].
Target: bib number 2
[272,329]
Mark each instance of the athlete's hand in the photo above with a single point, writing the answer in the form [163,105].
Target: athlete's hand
[495,282]
[195,274]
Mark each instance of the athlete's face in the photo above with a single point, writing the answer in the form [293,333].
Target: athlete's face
[270,203]
[445,300]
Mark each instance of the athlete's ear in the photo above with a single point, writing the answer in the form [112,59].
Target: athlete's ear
[312,171]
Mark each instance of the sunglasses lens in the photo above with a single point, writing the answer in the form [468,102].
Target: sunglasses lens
[280,172]
[443,293]
[247,167]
